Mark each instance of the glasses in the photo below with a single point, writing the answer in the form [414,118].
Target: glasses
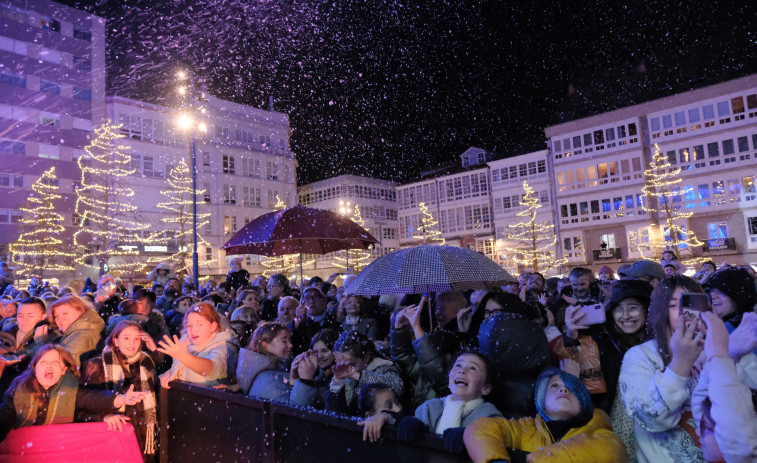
[312,298]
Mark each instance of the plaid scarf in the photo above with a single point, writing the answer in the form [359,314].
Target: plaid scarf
[145,411]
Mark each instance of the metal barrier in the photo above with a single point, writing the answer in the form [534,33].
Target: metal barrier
[199,424]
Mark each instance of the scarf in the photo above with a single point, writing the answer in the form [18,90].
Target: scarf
[145,411]
[62,403]
[455,411]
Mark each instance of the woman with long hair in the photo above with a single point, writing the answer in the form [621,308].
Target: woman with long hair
[124,364]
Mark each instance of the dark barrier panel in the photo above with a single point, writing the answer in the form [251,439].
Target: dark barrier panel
[201,424]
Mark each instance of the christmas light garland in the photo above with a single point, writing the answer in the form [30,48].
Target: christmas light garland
[535,241]
[355,258]
[40,249]
[428,231]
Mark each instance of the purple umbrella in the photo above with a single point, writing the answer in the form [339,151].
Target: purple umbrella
[299,229]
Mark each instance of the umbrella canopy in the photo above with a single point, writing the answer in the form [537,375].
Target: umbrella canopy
[428,268]
[299,229]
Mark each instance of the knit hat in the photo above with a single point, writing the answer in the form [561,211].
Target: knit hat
[737,284]
[624,289]
[575,385]
[645,268]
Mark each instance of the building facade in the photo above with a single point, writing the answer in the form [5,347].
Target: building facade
[598,166]
[243,165]
[52,92]
[377,203]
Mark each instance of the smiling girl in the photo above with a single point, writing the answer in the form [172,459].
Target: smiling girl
[123,364]
[200,356]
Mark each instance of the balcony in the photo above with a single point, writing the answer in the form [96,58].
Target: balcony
[606,254]
[720,244]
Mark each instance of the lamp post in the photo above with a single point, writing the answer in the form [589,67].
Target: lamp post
[186,122]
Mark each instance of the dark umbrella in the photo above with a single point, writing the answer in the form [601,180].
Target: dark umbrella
[299,229]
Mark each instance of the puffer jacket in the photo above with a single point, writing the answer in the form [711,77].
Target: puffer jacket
[259,379]
[519,350]
[401,348]
[489,439]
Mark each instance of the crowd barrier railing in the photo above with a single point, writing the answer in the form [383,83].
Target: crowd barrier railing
[206,425]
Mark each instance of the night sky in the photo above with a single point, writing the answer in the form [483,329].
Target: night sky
[387,88]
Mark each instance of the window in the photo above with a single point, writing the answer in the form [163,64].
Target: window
[229,225]
[564,210]
[252,197]
[7,78]
[618,203]
[718,189]
[723,109]
[273,170]
[717,230]
[698,152]
[558,145]
[584,207]
[14,147]
[228,164]
[708,112]
[566,144]
[734,188]
[10,180]
[737,104]
[680,118]
[229,194]
[577,141]
[608,239]
[49,87]
[688,193]
[728,147]
[704,191]
[748,183]
[629,201]
[655,124]
[694,115]
[85,94]
[206,192]
[82,34]
[587,139]
[606,206]
[743,143]
[82,63]
[671,156]
[595,206]
[667,121]
[712,150]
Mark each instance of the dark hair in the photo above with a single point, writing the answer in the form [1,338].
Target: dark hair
[279,279]
[659,315]
[266,332]
[491,371]
[327,336]
[128,307]
[579,272]
[110,342]
[670,265]
[357,344]
[216,298]
[671,252]
[143,293]
[510,303]
[33,300]
[28,380]
[708,262]
[156,286]
[316,280]
[366,399]
[225,285]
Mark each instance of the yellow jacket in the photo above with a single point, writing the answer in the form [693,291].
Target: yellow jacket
[488,439]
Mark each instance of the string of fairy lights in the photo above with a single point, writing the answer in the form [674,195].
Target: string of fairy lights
[531,242]
[662,185]
[40,247]
[428,232]
[354,258]
[178,219]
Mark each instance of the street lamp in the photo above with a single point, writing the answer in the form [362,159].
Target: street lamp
[186,122]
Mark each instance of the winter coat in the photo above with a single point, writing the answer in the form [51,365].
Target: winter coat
[155,277]
[431,411]
[238,279]
[401,348]
[519,350]
[26,350]
[217,350]
[259,379]
[84,337]
[303,334]
[735,420]
[659,401]
[342,398]
[434,351]
[489,439]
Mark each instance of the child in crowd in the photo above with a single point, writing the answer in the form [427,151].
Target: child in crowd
[48,392]
[378,404]
[469,381]
[566,428]
[357,364]
[200,356]
[264,370]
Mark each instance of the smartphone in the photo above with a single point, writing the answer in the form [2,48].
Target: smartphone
[10,358]
[105,290]
[595,314]
[691,306]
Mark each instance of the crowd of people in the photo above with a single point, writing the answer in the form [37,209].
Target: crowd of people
[607,369]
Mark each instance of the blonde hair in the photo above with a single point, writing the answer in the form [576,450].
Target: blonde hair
[75,302]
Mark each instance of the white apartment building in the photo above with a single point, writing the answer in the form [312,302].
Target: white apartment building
[377,202]
[598,170]
[459,199]
[52,91]
[507,177]
[243,164]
